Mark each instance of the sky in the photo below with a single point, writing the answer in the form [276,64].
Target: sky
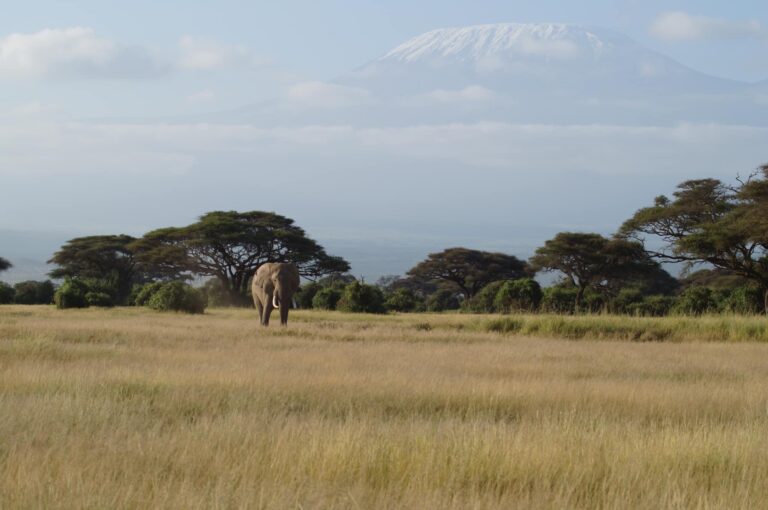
[101,130]
[302,40]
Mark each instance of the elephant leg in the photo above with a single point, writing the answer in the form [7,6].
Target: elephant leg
[267,312]
[260,308]
[284,315]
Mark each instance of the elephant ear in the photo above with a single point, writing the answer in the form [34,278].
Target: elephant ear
[262,278]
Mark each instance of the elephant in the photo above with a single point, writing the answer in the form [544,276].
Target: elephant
[273,287]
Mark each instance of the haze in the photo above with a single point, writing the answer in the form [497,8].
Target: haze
[382,142]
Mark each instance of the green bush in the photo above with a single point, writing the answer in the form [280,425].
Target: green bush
[651,306]
[178,297]
[627,301]
[442,300]
[306,294]
[483,301]
[95,298]
[522,295]
[326,299]
[7,293]
[695,301]
[593,302]
[403,300]
[71,294]
[743,300]
[559,300]
[361,298]
[34,293]
[145,292]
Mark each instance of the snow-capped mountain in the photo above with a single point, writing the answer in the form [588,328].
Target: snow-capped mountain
[530,58]
[523,73]
[481,42]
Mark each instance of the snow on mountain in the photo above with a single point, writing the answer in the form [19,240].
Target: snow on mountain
[530,59]
[523,73]
[481,42]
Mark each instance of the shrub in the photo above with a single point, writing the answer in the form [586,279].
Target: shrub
[695,301]
[522,295]
[34,293]
[651,306]
[95,298]
[178,297]
[145,293]
[594,302]
[135,289]
[625,301]
[71,294]
[403,300]
[559,299]
[7,293]
[442,300]
[483,301]
[743,300]
[326,299]
[361,298]
[306,294]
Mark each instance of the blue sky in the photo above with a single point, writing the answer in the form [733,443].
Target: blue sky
[99,97]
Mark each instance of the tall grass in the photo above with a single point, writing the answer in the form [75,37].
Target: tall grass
[715,328]
[130,408]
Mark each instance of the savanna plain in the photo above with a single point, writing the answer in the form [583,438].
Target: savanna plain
[129,408]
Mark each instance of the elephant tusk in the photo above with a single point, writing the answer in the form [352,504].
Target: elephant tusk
[274,301]
[295,304]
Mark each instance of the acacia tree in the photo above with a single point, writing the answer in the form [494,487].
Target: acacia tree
[108,258]
[467,270]
[4,265]
[592,261]
[709,222]
[230,246]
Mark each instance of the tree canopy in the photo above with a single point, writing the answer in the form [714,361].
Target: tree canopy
[4,264]
[108,258]
[230,246]
[591,261]
[710,222]
[468,270]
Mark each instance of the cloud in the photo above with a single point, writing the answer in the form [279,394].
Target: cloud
[317,94]
[67,148]
[72,52]
[470,94]
[78,52]
[205,55]
[525,177]
[681,26]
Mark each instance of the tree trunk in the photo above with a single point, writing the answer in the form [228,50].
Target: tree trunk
[235,294]
[579,298]
[765,301]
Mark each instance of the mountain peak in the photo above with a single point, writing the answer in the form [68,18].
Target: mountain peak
[549,40]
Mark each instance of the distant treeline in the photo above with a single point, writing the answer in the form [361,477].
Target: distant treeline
[707,224]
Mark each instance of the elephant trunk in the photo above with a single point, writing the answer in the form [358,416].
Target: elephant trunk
[281,300]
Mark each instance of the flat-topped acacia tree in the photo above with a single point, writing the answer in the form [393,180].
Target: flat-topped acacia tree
[230,246]
[709,222]
[591,261]
[468,271]
[107,258]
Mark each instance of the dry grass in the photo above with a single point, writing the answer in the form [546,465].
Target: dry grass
[134,409]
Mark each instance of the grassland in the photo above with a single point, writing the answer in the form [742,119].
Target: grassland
[129,408]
